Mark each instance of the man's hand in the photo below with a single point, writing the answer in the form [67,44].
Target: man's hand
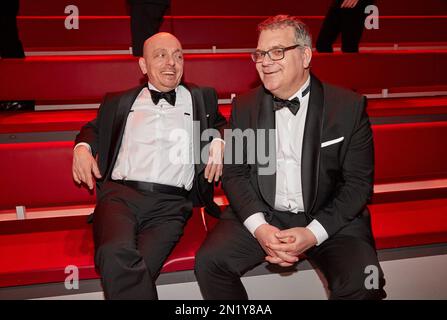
[213,170]
[349,3]
[292,242]
[83,166]
[265,234]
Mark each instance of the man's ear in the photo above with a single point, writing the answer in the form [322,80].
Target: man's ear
[307,57]
[142,64]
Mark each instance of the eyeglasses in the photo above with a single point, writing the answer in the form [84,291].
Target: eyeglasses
[274,54]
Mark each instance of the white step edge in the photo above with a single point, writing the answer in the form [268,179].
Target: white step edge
[215,50]
[82,106]
[221,200]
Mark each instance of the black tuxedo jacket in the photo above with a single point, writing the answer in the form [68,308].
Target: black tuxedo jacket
[104,134]
[337,163]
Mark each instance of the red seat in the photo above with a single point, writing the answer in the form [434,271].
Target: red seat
[73,120]
[230,7]
[45,121]
[403,224]
[403,152]
[412,223]
[65,78]
[201,32]
[38,174]
[407,106]
[39,250]
[410,151]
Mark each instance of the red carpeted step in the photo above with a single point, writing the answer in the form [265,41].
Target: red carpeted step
[403,152]
[382,69]
[45,121]
[404,224]
[38,174]
[62,78]
[229,7]
[299,7]
[85,7]
[73,120]
[394,29]
[39,250]
[198,7]
[407,106]
[195,32]
[410,151]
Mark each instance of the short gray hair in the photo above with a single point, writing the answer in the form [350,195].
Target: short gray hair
[302,33]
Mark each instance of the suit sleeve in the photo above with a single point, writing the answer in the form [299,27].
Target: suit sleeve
[236,178]
[90,131]
[352,195]
[218,121]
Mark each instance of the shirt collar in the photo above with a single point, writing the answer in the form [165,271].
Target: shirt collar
[152,87]
[299,93]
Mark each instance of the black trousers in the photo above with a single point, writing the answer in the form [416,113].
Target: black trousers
[145,21]
[230,250]
[349,22]
[10,45]
[134,232]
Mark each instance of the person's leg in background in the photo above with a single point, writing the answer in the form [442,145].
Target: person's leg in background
[330,28]
[352,26]
[11,48]
[10,44]
[145,20]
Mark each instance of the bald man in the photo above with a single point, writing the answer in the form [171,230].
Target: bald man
[143,155]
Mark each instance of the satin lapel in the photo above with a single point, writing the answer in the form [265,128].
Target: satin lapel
[310,162]
[199,116]
[119,124]
[266,121]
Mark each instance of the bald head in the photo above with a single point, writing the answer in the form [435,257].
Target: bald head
[159,39]
[162,61]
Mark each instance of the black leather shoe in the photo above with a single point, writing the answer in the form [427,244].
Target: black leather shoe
[23,105]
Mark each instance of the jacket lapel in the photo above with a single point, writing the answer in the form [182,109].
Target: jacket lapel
[119,124]
[266,122]
[310,162]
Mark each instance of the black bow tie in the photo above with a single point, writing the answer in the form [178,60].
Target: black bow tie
[168,96]
[293,105]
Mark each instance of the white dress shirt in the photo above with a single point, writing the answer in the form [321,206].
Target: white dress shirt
[157,141]
[289,141]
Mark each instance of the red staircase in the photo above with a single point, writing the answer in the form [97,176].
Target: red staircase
[409,206]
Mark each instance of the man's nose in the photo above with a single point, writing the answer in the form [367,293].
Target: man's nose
[171,60]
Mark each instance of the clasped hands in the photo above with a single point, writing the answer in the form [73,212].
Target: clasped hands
[284,246]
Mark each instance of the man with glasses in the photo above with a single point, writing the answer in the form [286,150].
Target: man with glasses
[314,204]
